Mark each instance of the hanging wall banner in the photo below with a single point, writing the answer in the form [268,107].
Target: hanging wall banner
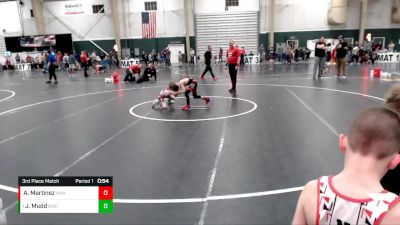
[125,63]
[73,8]
[23,66]
[389,57]
[254,59]
[69,8]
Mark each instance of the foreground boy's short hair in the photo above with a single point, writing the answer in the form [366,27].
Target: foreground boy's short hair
[392,99]
[375,131]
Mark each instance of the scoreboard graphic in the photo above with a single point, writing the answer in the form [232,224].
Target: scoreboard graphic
[65,195]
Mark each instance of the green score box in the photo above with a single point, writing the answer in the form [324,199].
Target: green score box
[106,206]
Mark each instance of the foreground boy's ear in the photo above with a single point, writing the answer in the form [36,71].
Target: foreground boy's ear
[342,143]
[395,162]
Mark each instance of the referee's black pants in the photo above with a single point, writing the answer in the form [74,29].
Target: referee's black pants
[233,75]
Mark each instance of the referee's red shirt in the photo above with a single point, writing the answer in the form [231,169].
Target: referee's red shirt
[232,55]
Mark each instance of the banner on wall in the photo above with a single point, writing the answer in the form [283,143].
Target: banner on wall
[125,63]
[23,66]
[73,8]
[69,8]
[254,59]
[388,57]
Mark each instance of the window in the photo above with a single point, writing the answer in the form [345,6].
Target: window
[349,41]
[148,6]
[379,40]
[98,9]
[32,13]
[293,44]
[231,3]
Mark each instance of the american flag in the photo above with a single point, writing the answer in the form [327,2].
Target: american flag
[149,28]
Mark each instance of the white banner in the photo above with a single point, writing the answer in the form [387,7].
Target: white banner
[70,8]
[125,63]
[388,57]
[255,59]
[23,66]
[76,8]
[73,8]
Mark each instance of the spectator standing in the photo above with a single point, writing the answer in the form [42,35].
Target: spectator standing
[271,54]
[355,53]
[260,49]
[29,60]
[65,62]
[192,54]
[36,62]
[155,57]
[242,53]
[263,56]
[103,59]
[320,48]
[59,60]
[71,63]
[180,58]
[17,59]
[391,46]
[220,54]
[52,72]
[93,59]
[328,52]
[144,58]
[167,57]
[279,52]
[341,53]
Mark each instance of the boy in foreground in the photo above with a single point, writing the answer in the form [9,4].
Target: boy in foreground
[355,195]
[391,180]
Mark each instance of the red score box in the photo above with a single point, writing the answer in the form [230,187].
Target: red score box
[105,193]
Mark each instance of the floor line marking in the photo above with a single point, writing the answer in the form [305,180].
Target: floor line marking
[8,97]
[158,201]
[214,172]
[306,87]
[330,127]
[190,200]
[53,122]
[71,97]
[255,106]
[61,172]
[244,72]
[274,85]
[150,87]
[255,194]
[194,108]
[7,188]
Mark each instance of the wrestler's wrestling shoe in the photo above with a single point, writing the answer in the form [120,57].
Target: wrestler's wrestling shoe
[186,108]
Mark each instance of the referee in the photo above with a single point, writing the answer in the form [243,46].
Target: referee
[233,61]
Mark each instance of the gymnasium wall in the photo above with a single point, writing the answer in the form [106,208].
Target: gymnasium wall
[218,6]
[305,20]
[302,19]
[9,18]
[311,15]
